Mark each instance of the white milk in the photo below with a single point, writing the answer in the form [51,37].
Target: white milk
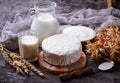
[45,24]
[28,46]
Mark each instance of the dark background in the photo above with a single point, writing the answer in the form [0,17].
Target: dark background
[8,74]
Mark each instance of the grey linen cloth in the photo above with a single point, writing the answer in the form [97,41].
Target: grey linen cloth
[10,31]
[95,19]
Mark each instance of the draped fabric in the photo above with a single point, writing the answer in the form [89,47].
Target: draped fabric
[17,16]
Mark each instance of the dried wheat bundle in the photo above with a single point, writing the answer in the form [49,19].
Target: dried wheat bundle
[106,44]
[22,66]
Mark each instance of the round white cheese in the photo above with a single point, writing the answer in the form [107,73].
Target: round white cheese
[61,49]
[81,32]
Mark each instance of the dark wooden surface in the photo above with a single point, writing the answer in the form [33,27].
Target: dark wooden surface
[9,75]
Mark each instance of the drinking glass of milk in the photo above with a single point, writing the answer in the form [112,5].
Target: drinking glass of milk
[28,45]
[44,22]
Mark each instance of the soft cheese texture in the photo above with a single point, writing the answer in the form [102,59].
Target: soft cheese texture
[61,49]
[81,32]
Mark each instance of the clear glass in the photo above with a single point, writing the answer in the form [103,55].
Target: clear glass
[28,45]
[45,23]
[45,7]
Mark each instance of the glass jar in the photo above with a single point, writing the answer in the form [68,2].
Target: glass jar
[44,22]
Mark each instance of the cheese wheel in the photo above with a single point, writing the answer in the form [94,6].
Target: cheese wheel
[81,32]
[61,50]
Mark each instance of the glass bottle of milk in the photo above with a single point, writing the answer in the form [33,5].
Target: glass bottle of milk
[45,22]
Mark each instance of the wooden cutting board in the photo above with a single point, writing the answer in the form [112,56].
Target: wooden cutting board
[61,69]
